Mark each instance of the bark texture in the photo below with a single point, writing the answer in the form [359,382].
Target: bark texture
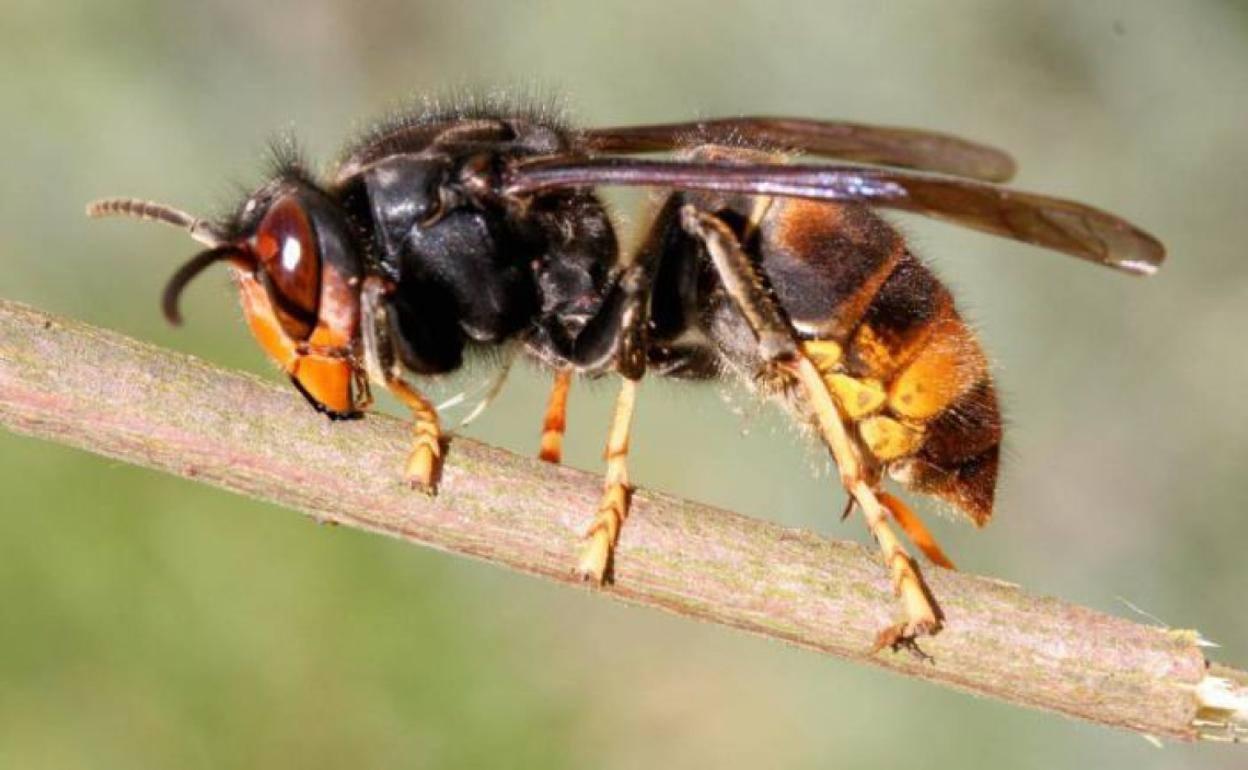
[68,382]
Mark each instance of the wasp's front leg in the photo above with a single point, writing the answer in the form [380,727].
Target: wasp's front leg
[424,463]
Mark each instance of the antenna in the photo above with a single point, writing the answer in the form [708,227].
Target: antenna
[136,208]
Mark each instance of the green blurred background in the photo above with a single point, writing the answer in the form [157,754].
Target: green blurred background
[146,621]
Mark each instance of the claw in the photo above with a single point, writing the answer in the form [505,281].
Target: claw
[905,636]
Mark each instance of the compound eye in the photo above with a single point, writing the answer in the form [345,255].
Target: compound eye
[290,266]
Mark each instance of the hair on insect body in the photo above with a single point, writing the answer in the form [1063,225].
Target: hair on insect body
[459,230]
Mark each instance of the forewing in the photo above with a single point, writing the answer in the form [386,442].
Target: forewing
[1053,223]
[885,145]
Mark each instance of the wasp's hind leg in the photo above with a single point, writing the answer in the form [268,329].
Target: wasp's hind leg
[784,358]
[423,467]
[922,616]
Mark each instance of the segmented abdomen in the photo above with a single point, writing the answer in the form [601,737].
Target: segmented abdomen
[884,331]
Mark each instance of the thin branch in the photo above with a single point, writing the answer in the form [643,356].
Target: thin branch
[68,382]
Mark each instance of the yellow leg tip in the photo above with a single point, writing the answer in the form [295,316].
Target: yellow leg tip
[424,465]
[595,558]
[922,617]
[551,450]
[599,552]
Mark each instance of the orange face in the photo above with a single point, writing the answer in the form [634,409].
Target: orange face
[301,309]
[325,380]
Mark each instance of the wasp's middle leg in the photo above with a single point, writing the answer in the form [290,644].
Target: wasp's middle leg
[556,420]
[596,559]
[614,339]
[780,351]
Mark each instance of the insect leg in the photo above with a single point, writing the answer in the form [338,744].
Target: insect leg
[741,280]
[923,617]
[596,559]
[424,463]
[556,418]
[914,528]
[618,330]
[779,348]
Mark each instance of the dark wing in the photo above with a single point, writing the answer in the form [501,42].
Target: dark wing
[1061,225]
[905,147]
